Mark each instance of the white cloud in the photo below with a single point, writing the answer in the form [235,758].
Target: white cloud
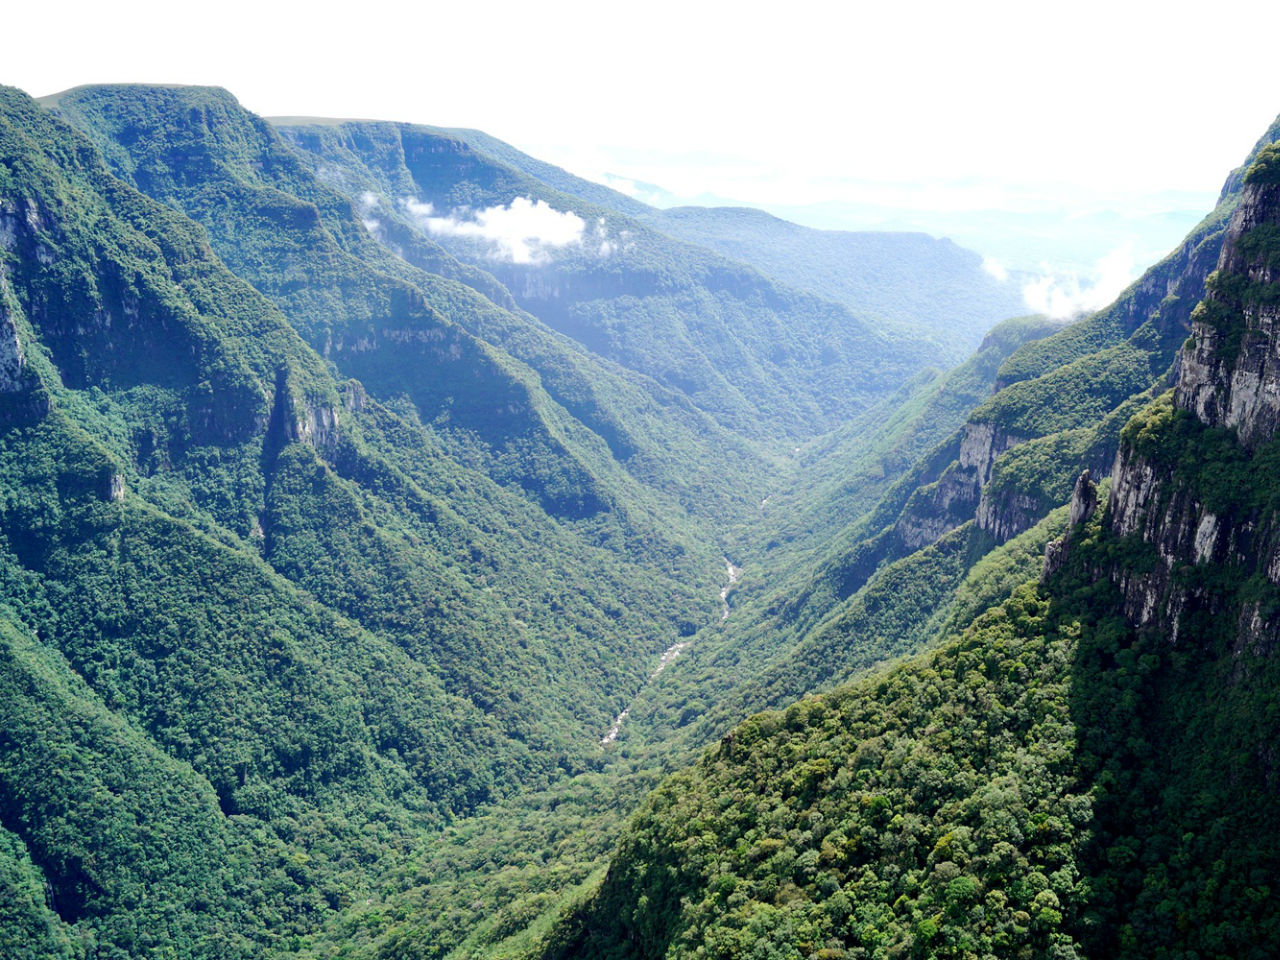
[1064,295]
[621,184]
[367,203]
[605,247]
[995,268]
[524,231]
[625,185]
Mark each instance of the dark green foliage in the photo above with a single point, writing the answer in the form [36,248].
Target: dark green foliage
[849,470]
[1228,479]
[1231,296]
[1050,781]
[1175,735]
[391,308]
[929,287]
[325,567]
[136,854]
[1075,395]
[29,929]
[320,628]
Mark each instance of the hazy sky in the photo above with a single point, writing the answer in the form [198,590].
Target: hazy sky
[1021,107]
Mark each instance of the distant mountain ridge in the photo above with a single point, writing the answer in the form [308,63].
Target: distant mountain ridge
[907,278]
[357,477]
[1085,764]
[904,277]
[761,358]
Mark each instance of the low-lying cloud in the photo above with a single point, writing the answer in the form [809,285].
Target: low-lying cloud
[367,203]
[1062,295]
[604,247]
[524,231]
[995,268]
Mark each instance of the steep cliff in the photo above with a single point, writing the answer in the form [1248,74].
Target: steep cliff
[1057,407]
[1192,483]
[246,604]
[1087,769]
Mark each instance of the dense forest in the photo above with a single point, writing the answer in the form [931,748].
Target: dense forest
[409,549]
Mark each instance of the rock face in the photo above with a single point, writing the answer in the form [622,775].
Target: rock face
[14,218]
[1161,301]
[1004,517]
[1228,380]
[1084,501]
[292,420]
[1226,385]
[944,505]
[12,360]
[22,396]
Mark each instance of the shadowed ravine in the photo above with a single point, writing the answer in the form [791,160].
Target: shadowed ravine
[674,651]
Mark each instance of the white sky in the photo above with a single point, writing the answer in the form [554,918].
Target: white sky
[945,106]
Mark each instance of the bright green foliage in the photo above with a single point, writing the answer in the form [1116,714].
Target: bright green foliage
[1075,395]
[848,471]
[322,627]
[403,316]
[1052,781]
[1265,167]
[29,929]
[325,566]
[931,811]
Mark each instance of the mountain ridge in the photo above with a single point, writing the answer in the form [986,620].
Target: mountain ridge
[339,518]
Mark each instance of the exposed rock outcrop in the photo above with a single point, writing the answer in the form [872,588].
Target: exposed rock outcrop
[941,507]
[1084,501]
[23,398]
[1004,517]
[295,421]
[1228,379]
[1230,375]
[12,360]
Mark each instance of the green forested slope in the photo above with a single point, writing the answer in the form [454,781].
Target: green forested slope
[908,278]
[1049,783]
[1087,769]
[931,811]
[1060,403]
[766,361]
[392,309]
[923,283]
[326,562]
[263,632]
[843,474]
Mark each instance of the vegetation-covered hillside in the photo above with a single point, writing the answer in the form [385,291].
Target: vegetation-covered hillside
[316,628]
[1087,769]
[770,362]
[914,281]
[1059,404]
[400,536]
[907,278]
[391,308]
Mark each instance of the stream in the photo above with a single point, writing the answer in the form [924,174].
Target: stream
[674,651]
